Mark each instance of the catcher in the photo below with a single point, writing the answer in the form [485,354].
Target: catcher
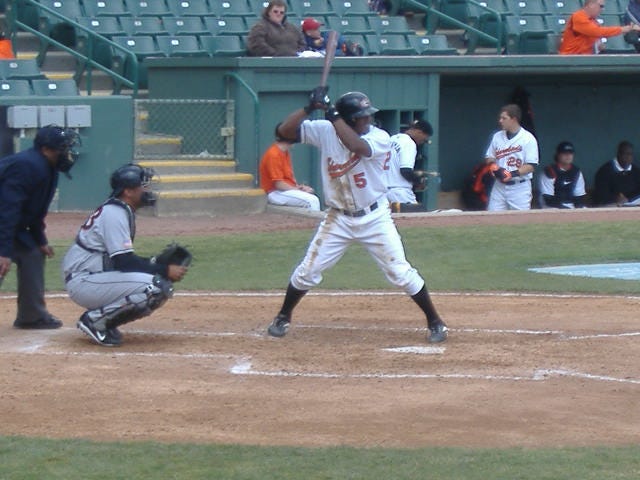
[104,275]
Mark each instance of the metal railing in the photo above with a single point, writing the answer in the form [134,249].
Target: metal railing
[14,10]
[479,34]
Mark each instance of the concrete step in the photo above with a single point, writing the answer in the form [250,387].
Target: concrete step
[157,145]
[211,202]
[204,181]
[169,166]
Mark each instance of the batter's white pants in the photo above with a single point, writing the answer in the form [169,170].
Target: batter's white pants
[294,198]
[510,197]
[375,231]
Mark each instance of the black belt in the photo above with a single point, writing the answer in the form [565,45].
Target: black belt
[515,182]
[360,213]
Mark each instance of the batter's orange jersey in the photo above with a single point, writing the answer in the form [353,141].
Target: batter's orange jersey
[276,165]
[581,34]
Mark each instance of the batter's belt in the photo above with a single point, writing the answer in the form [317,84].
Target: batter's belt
[359,213]
[515,182]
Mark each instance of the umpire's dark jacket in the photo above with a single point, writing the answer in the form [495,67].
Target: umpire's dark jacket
[27,185]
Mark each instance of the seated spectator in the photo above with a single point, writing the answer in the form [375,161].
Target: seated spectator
[562,183]
[402,179]
[583,34]
[278,181]
[316,40]
[380,6]
[273,35]
[618,180]
[632,17]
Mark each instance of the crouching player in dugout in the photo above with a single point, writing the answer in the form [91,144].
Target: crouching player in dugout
[101,271]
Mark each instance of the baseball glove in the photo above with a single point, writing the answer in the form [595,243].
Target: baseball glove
[173,254]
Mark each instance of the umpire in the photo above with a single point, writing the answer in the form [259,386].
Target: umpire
[28,181]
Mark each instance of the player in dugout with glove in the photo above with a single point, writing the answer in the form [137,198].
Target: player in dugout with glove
[104,275]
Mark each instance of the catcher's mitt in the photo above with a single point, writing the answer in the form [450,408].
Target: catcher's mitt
[173,254]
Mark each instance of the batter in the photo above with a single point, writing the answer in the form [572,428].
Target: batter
[355,157]
[513,154]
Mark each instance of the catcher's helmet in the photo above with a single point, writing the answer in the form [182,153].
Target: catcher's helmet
[63,140]
[354,105]
[132,176]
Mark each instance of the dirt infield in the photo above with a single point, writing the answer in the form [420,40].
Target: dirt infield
[202,370]
[355,368]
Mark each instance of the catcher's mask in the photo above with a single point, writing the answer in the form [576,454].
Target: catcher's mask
[65,141]
[133,176]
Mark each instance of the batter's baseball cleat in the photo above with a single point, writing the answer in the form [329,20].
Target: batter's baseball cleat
[101,337]
[438,332]
[115,334]
[279,326]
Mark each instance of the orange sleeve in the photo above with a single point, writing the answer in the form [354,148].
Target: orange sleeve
[275,165]
[582,24]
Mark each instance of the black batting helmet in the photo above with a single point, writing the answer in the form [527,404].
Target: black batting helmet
[132,176]
[63,140]
[354,105]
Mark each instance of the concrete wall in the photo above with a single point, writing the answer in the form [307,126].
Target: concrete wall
[590,100]
[107,144]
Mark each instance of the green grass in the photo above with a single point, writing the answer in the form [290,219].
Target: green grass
[475,258]
[22,459]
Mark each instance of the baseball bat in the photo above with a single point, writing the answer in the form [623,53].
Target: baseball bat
[332,41]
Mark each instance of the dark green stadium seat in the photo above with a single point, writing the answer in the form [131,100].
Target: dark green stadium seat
[617,45]
[389,45]
[56,27]
[431,45]
[390,25]
[15,88]
[20,69]
[226,26]
[181,46]
[527,7]
[258,6]
[455,8]
[105,8]
[108,27]
[134,26]
[143,46]
[526,34]
[563,7]
[55,88]
[349,25]
[27,14]
[223,45]
[352,8]
[184,26]
[147,8]
[230,8]
[312,8]
[556,23]
[189,8]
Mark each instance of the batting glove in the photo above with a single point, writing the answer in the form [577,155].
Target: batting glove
[318,99]
[331,114]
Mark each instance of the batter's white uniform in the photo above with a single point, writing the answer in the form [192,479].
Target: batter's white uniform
[511,154]
[355,190]
[403,155]
[108,232]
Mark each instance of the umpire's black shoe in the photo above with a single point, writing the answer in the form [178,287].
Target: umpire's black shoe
[438,332]
[101,337]
[47,323]
[279,326]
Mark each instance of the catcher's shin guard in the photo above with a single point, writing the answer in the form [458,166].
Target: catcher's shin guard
[134,306]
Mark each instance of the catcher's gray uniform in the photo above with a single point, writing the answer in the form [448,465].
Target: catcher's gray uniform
[108,232]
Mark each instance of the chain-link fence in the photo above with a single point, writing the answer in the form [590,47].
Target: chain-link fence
[184,128]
